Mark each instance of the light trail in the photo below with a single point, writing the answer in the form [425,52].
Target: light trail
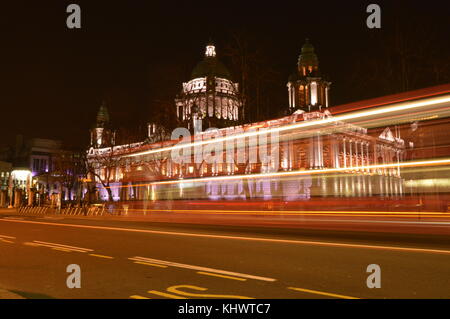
[299,213]
[294,173]
[344,117]
[395,98]
[244,238]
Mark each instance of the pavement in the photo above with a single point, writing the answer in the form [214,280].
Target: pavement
[141,259]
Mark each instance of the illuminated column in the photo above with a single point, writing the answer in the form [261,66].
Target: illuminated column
[318,156]
[375,158]
[389,160]
[291,154]
[350,154]
[356,154]
[344,152]
[313,90]
[290,94]
[311,152]
[368,158]
[334,151]
[362,156]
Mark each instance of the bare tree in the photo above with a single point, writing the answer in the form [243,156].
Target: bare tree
[257,76]
[68,169]
[103,165]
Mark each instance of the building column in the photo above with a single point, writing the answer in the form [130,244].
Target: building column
[291,154]
[350,154]
[362,157]
[368,163]
[335,152]
[344,153]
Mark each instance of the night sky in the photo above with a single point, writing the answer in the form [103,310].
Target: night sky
[133,54]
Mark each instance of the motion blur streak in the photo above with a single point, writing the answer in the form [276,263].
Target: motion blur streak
[345,117]
[296,173]
[244,238]
[295,213]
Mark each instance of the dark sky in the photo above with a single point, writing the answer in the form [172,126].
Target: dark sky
[132,52]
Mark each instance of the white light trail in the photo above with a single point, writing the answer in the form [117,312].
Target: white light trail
[344,117]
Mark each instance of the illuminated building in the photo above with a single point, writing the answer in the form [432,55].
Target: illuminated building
[5,171]
[32,174]
[308,91]
[210,98]
[306,154]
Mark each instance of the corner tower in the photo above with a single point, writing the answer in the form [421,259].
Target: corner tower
[101,133]
[308,91]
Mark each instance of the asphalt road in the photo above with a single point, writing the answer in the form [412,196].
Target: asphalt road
[138,259]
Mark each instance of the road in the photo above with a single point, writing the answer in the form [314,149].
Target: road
[146,259]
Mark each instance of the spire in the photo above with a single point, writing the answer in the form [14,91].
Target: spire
[102,115]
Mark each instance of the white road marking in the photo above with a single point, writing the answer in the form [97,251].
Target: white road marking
[213,270]
[259,239]
[80,249]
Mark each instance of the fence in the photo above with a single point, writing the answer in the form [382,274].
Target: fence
[74,211]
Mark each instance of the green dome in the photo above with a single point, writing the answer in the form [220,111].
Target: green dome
[210,66]
[308,56]
[102,116]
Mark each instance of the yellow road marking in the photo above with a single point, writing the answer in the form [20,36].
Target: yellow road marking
[322,293]
[9,237]
[163,294]
[150,264]
[101,256]
[221,276]
[44,243]
[31,244]
[61,249]
[138,297]
[175,289]
[55,247]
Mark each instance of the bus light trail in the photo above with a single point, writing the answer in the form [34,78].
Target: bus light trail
[296,173]
[344,117]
